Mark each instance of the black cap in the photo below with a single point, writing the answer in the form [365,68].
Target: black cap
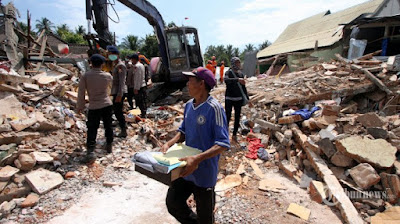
[134,56]
[97,58]
[112,49]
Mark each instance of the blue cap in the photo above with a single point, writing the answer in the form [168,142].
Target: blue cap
[112,49]
[97,58]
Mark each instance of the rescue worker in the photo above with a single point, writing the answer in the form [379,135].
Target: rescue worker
[210,67]
[221,72]
[95,82]
[139,84]
[214,64]
[130,82]
[235,85]
[204,127]
[118,90]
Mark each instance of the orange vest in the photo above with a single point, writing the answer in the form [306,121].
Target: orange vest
[221,73]
[211,68]
[214,64]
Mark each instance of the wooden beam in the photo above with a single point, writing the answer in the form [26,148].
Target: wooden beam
[42,52]
[15,79]
[369,56]
[377,82]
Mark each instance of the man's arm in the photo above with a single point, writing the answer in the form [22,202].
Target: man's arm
[139,77]
[80,104]
[178,138]
[122,79]
[192,162]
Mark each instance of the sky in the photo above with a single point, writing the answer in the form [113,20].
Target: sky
[218,22]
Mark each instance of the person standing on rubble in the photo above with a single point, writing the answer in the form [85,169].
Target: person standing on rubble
[140,84]
[130,82]
[204,127]
[118,90]
[221,72]
[235,91]
[95,82]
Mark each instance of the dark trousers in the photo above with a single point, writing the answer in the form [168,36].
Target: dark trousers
[93,122]
[237,105]
[179,192]
[140,100]
[118,111]
[130,97]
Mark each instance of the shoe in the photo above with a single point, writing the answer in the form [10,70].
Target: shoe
[108,148]
[89,158]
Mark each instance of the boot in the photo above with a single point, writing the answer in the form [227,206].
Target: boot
[123,133]
[90,157]
[108,148]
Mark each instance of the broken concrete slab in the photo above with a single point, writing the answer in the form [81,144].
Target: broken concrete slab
[330,110]
[46,78]
[390,215]
[370,120]
[43,181]
[329,66]
[7,207]
[327,147]
[364,175]
[30,87]
[17,137]
[45,124]
[268,125]
[42,157]
[21,124]
[25,162]
[271,185]
[228,182]
[340,160]
[317,191]
[7,172]
[378,153]
[10,106]
[11,89]
[299,211]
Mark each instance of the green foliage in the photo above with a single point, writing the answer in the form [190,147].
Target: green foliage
[65,33]
[44,24]
[126,52]
[131,42]
[222,53]
[80,30]
[264,45]
[149,46]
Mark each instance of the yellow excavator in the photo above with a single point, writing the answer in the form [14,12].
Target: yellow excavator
[179,46]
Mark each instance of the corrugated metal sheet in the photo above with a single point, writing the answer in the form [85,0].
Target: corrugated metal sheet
[323,27]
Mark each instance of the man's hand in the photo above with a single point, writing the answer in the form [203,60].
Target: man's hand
[118,99]
[136,91]
[164,148]
[191,165]
[242,81]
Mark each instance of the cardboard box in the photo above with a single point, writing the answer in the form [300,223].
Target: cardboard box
[160,177]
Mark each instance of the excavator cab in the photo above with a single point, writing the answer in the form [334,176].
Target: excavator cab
[184,50]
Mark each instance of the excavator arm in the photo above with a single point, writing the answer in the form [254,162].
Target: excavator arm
[142,7]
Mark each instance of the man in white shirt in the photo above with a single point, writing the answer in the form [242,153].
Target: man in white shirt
[139,88]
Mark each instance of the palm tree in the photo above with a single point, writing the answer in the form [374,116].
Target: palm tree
[62,29]
[131,42]
[44,24]
[264,45]
[80,30]
[249,47]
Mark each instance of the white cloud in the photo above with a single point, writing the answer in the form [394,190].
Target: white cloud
[259,20]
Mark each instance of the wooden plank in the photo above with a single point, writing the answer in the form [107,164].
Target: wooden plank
[342,59]
[377,82]
[42,52]
[369,56]
[38,39]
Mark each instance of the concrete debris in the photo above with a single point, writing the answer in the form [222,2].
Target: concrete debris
[271,185]
[317,191]
[364,175]
[43,181]
[25,162]
[228,182]
[377,152]
[7,172]
[390,215]
[30,201]
[42,157]
[299,211]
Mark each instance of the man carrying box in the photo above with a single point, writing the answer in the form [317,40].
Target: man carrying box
[204,127]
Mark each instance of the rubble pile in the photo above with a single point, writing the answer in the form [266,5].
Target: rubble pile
[334,128]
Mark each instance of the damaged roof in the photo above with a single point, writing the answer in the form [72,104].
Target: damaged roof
[323,27]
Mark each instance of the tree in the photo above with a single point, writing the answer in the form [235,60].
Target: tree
[62,29]
[65,33]
[130,42]
[80,30]
[171,24]
[44,24]
[249,47]
[149,46]
[264,45]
